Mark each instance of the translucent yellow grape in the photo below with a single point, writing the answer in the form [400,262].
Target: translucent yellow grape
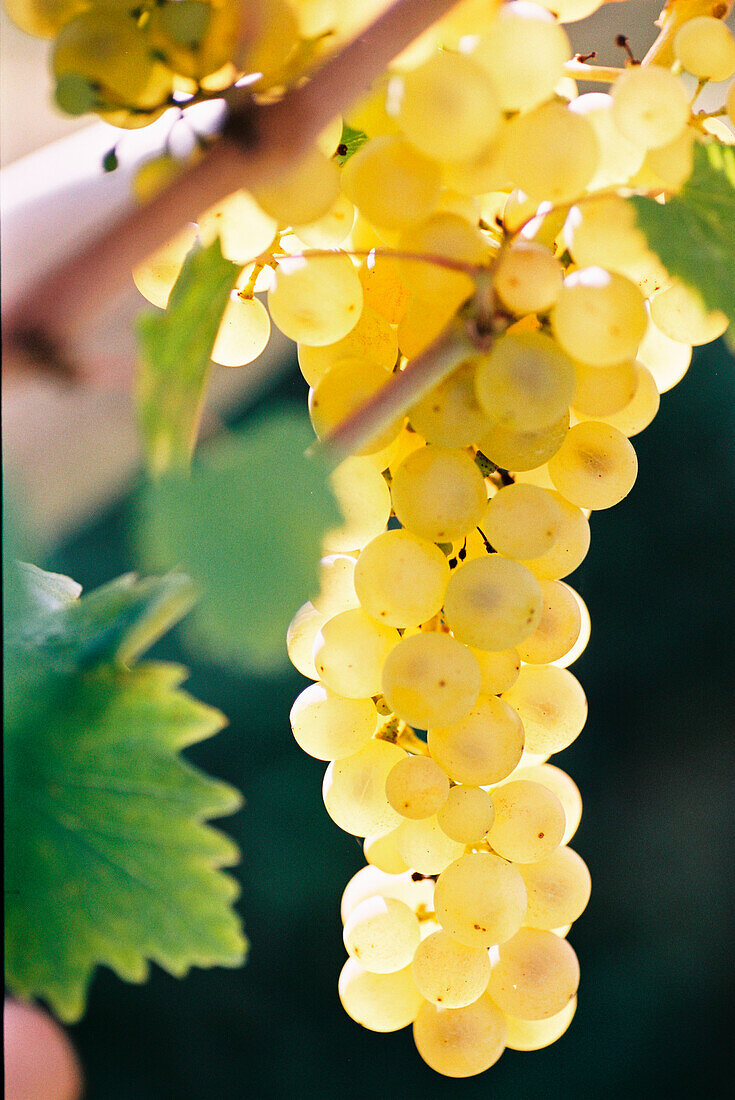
[467,814]
[528,278]
[371,882]
[480,900]
[672,164]
[603,232]
[492,603]
[448,236]
[595,467]
[328,726]
[424,320]
[550,153]
[557,629]
[382,934]
[336,585]
[642,407]
[382,853]
[599,317]
[705,47]
[401,579]
[529,821]
[425,846]
[379,1002]
[383,288]
[460,1042]
[43,18]
[522,521]
[244,230]
[571,545]
[650,105]
[526,382]
[372,339]
[347,385]
[536,976]
[329,229]
[681,315]
[349,653]
[430,680]
[354,790]
[620,158]
[302,631]
[316,301]
[392,184]
[302,194]
[439,494]
[364,500]
[558,889]
[243,333]
[565,789]
[450,415]
[156,275]
[552,706]
[601,391]
[523,450]
[417,787]
[483,747]
[536,1034]
[448,973]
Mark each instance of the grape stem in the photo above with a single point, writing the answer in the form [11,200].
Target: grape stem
[581,70]
[394,254]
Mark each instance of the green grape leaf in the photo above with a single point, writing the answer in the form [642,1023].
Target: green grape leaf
[246,524]
[175,348]
[692,232]
[109,856]
[110,161]
[349,143]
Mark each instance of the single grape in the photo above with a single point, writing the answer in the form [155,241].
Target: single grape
[529,821]
[536,976]
[558,889]
[526,382]
[430,680]
[379,1002]
[536,1034]
[243,333]
[316,301]
[560,784]
[417,787]
[595,467]
[364,500]
[328,726]
[460,1042]
[391,183]
[448,973]
[599,317]
[492,603]
[528,278]
[552,706]
[480,900]
[483,747]
[354,790]
[650,105]
[450,415]
[350,651]
[522,521]
[705,47]
[401,579]
[438,493]
[425,846]
[558,628]
[382,934]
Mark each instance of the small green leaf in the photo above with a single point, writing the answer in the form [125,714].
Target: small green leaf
[247,525]
[175,348]
[349,143]
[693,231]
[110,161]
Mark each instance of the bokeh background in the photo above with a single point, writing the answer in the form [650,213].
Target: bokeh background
[655,764]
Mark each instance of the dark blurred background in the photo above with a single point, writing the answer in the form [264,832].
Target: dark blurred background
[655,764]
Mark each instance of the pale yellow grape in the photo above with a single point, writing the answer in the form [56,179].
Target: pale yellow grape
[485,173]
[537,975]
[595,467]
[303,193]
[379,1002]
[552,706]
[603,232]
[439,494]
[523,450]
[354,790]
[526,382]
[620,158]
[243,333]
[650,105]
[372,339]
[350,651]
[156,275]
[448,108]
[370,882]
[705,47]
[329,138]
[528,278]
[583,636]
[43,18]
[447,236]
[244,230]
[522,521]
[565,789]
[430,680]
[364,500]
[601,391]
[529,821]
[599,317]
[392,184]
[681,315]
[558,627]
[460,1042]
[671,164]
[569,11]
[467,207]
[467,814]
[316,301]
[642,407]
[483,747]
[498,669]
[517,209]
[316,17]
[407,443]
[369,113]
[425,846]
[382,934]
[302,631]
[450,415]
[668,360]
[346,386]
[381,851]
[550,153]
[571,545]
[523,51]
[536,1034]
[331,228]
[383,288]
[448,973]
[336,585]
[539,476]
[424,320]
[492,603]
[480,900]
[558,889]
[401,579]
[417,787]
[328,726]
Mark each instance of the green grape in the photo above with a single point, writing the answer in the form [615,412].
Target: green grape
[195,37]
[705,47]
[371,882]
[336,585]
[448,108]
[417,787]
[601,391]
[347,385]
[522,521]
[523,51]
[354,790]
[382,853]
[350,651]
[460,1042]
[450,415]
[379,1002]
[620,158]
[536,1034]
[425,846]
[302,632]
[401,579]
[551,705]
[498,669]
[371,339]
[537,975]
[382,934]
[364,500]
[558,628]
[43,18]
[328,726]
[570,547]
[302,194]
[650,105]
[550,153]
[523,450]
[563,786]
[245,231]
[156,275]
[467,814]
[450,237]
[599,317]
[392,184]
[243,333]
[526,382]
[331,228]
[448,973]
[558,889]
[528,278]
[638,413]
[316,301]
[480,900]
[595,467]
[430,680]
[529,821]
[439,494]
[483,747]
[678,311]
[492,603]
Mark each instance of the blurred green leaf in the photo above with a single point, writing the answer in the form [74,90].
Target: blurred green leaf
[349,143]
[247,525]
[693,231]
[175,349]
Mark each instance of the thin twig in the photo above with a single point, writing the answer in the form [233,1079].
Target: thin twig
[580,70]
